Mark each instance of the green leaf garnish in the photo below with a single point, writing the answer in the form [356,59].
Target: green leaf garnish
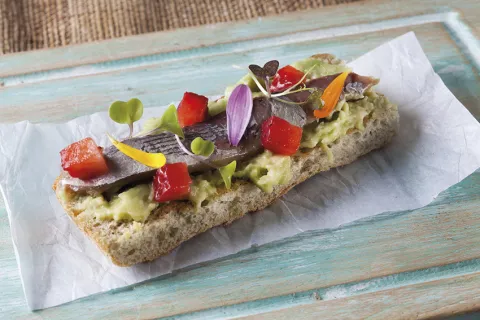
[202,147]
[167,122]
[126,112]
[227,172]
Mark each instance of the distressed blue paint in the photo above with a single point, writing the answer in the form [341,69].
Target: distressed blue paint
[335,292]
[387,251]
[207,36]
[337,254]
[228,48]
[161,84]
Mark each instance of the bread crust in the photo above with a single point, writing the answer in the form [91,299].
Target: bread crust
[176,222]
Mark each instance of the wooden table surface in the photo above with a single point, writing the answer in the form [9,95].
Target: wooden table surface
[402,265]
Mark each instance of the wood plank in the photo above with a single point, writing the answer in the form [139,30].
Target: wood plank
[440,298]
[77,96]
[445,232]
[190,39]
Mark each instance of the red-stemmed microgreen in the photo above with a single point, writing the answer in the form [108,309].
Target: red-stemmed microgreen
[259,85]
[256,72]
[290,102]
[270,68]
[290,90]
[265,73]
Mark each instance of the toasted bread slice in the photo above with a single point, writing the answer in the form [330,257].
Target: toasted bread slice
[173,223]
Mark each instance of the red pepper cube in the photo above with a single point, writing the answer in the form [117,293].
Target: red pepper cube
[171,182]
[192,109]
[280,137]
[84,160]
[285,78]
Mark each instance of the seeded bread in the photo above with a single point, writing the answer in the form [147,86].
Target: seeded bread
[129,243]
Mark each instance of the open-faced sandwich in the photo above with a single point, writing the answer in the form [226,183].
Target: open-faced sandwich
[208,163]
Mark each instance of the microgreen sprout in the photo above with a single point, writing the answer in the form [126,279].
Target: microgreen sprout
[289,102]
[256,73]
[270,68]
[289,90]
[259,85]
[126,112]
[199,158]
[266,73]
[227,172]
[167,122]
[202,147]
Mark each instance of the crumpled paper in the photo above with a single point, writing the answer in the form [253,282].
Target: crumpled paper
[437,146]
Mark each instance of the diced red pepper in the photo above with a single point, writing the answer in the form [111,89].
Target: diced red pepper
[285,78]
[280,137]
[192,109]
[84,160]
[171,182]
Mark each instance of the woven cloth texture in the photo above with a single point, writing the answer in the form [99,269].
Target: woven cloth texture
[36,24]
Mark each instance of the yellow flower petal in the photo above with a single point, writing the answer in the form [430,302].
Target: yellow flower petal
[154,160]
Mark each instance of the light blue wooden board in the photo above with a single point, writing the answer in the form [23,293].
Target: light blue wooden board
[161,83]
[388,251]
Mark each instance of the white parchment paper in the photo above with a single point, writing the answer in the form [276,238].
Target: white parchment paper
[437,146]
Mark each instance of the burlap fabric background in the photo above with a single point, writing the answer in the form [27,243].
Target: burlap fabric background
[35,24]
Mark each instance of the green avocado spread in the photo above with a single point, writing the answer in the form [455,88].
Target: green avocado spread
[350,116]
[266,170]
[319,67]
[203,187]
[134,204]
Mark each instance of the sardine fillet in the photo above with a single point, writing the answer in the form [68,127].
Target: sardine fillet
[175,223]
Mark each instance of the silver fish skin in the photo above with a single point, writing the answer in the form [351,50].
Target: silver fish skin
[354,88]
[123,170]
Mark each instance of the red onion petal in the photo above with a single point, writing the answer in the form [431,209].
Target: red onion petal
[239,112]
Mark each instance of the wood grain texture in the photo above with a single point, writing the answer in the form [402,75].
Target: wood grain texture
[194,39]
[362,260]
[86,94]
[419,301]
